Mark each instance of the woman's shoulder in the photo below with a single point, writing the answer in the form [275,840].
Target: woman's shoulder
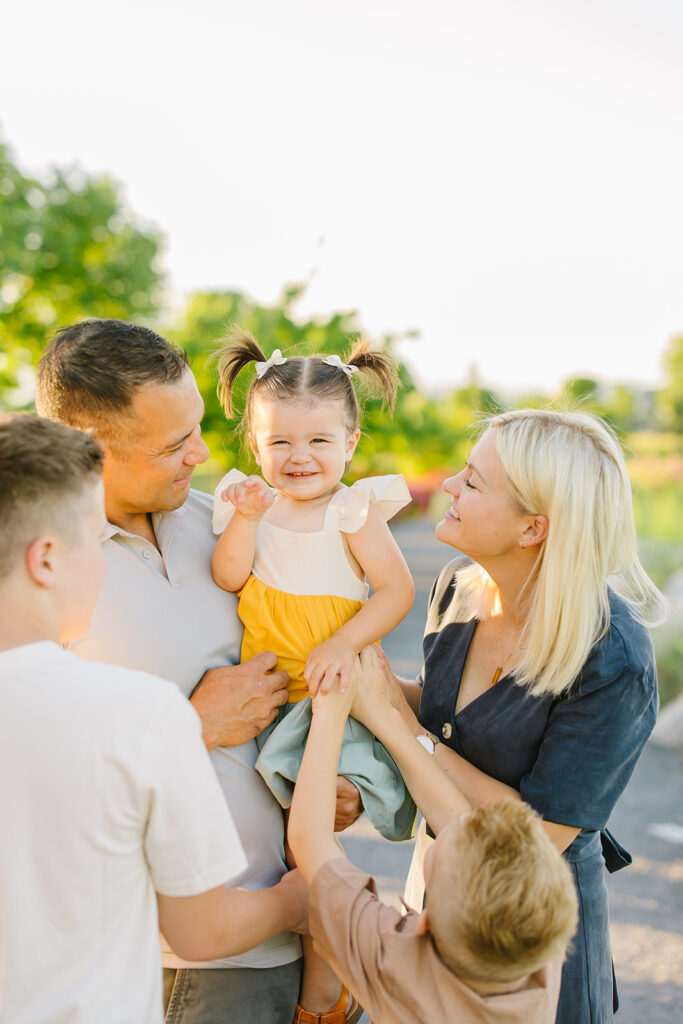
[624,652]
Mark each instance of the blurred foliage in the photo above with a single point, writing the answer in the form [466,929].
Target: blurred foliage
[69,249]
[422,435]
[670,399]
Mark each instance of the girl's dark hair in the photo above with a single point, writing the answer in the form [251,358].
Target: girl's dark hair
[304,377]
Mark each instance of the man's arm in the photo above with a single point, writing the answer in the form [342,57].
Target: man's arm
[226,922]
[237,702]
[311,817]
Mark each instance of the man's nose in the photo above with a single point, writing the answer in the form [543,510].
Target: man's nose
[197,453]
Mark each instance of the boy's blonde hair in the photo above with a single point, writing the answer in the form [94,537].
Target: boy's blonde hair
[569,467]
[501,900]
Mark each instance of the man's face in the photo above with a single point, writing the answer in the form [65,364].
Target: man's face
[151,465]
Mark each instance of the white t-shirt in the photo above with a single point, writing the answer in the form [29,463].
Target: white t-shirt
[94,821]
[160,611]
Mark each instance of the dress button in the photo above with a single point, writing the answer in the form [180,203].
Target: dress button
[446,730]
[146,554]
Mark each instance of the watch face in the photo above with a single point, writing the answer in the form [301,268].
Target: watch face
[427,742]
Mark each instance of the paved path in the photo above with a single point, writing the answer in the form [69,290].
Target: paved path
[646,900]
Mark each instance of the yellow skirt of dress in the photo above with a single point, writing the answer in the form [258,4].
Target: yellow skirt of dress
[291,625]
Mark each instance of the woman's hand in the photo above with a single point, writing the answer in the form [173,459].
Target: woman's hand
[377,687]
[251,497]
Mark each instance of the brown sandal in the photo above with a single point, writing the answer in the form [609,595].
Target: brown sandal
[342,1012]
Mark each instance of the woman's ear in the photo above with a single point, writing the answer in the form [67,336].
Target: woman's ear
[535,532]
[351,442]
[254,447]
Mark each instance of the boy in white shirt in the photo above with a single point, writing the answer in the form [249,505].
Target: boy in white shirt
[101,842]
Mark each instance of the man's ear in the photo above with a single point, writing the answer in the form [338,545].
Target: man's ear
[41,561]
[351,442]
[422,923]
[254,448]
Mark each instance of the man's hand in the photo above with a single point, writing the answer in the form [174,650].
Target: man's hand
[349,806]
[237,702]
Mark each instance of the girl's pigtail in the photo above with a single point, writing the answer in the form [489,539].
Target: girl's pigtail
[381,366]
[240,349]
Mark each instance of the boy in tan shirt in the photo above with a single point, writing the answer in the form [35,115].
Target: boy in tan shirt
[500,904]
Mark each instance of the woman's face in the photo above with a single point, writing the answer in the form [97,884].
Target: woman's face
[483,520]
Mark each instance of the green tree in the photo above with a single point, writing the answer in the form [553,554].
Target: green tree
[670,403]
[69,249]
[412,441]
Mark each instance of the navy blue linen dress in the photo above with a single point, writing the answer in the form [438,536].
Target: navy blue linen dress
[569,757]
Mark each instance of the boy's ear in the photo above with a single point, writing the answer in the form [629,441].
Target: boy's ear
[254,448]
[351,442]
[41,561]
[422,923]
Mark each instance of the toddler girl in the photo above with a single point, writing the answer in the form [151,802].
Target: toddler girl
[299,552]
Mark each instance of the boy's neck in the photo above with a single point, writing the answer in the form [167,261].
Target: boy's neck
[494,988]
[23,620]
[20,634]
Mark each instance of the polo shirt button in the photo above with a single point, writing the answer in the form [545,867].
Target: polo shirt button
[446,730]
[146,554]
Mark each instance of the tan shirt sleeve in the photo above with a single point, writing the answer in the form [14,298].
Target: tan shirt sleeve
[347,921]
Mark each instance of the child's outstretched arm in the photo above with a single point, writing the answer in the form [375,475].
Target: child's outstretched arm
[381,560]
[233,556]
[311,817]
[433,791]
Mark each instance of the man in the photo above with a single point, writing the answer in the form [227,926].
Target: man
[500,904]
[95,816]
[160,611]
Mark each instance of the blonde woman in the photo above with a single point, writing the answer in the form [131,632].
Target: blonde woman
[539,677]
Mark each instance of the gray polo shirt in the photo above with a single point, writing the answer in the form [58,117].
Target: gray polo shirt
[161,612]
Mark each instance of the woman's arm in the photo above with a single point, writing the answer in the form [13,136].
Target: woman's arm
[381,560]
[380,690]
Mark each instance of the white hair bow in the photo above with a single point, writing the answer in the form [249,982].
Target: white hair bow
[277,359]
[336,361]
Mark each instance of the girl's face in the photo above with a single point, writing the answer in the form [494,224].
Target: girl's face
[302,448]
[483,520]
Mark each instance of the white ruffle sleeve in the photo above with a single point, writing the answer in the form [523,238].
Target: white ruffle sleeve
[390,493]
[223,511]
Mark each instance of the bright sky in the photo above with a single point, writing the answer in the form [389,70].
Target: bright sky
[504,176]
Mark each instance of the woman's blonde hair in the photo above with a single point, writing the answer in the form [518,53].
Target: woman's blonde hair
[569,467]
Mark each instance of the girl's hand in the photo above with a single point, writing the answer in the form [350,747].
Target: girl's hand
[334,700]
[251,497]
[329,659]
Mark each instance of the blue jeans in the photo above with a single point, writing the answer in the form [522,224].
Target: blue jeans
[228,995]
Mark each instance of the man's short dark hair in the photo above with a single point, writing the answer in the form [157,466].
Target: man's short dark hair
[44,469]
[90,372]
